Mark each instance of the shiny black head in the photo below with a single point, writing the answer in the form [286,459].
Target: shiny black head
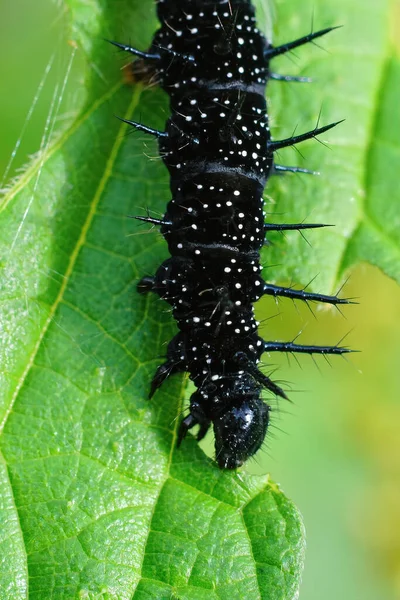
[240,431]
[240,418]
[233,404]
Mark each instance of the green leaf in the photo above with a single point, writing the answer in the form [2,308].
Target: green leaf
[96,501]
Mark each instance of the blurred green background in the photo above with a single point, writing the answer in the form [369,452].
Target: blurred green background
[336,449]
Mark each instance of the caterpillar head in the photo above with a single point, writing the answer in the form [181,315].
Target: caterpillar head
[240,432]
[241,427]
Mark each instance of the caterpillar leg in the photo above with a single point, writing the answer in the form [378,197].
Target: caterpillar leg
[175,363]
[184,427]
[163,372]
[198,418]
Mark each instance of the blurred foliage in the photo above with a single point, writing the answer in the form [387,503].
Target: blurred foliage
[341,457]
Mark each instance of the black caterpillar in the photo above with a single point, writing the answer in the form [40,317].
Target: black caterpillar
[214,64]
